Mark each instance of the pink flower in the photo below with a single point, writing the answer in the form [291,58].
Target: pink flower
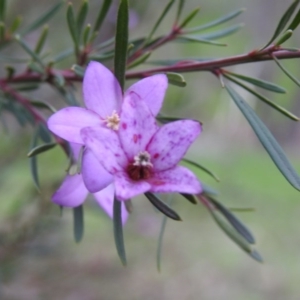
[141,156]
[103,99]
[73,192]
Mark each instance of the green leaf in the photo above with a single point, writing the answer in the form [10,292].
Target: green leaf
[33,160]
[160,239]
[221,33]
[118,230]
[86,34]
[44,18]
[102,14]
[40,149]
[41,41]
[73,28]
[41,104]
[216,22]
[283,22]
[261,83]
[2,10]
[140,60]
[267,140]
[166,119]
[121,45]
[285,71]
[2,31]
[78,223]
[201,168]
[189,197]
[284,37]
[44,133]
[234,221]
[181,61]
[33,55]
[196,39]
[189,17]
[235,236]
[176,79]
[162,207]
[78,70]
[295,22]
[179,10]
[82,16]
[265,100]
[15,24]
[160,19]
[207,190]
[27,87]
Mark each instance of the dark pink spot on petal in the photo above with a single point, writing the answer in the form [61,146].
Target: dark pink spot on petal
[124,125]
[156,155]
[135,138]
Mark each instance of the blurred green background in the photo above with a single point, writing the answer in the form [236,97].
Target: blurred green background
[38,256]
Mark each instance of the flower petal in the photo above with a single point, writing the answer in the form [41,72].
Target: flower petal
[67,122]
[171,142]
[105,199]
[101,90]
[71,193]
[178,179]
[94,176]
[126,188]
[137,125]
[151,90]
[105,145]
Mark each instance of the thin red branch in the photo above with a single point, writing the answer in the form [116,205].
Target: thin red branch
[195,66]
[183,67]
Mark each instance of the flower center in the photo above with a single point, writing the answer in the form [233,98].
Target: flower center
[141,167]
[112,121]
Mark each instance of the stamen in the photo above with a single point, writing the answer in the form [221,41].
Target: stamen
[142,159]
[113,121]
[141,167]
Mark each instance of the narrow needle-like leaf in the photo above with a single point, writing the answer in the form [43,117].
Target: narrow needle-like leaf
[201,168]
[121,44]
[216,22]
[285,71]
[162,207]
[40,149]
[118,230]
[162,16]
[234,221]
[189,17]
[78,223]
[44,18]
[265,100]
[283,22]
[267,140]
[160,239]
[102,13]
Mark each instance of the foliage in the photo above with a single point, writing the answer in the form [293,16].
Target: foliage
[129,57]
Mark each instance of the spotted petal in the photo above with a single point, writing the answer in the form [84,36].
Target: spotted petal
[151,90]
[105,145]
[94,176]
[101,90]
[171,142]
[105,198]
[178,179]
[137,125]
[67,122]
[71,193]
[126,188]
